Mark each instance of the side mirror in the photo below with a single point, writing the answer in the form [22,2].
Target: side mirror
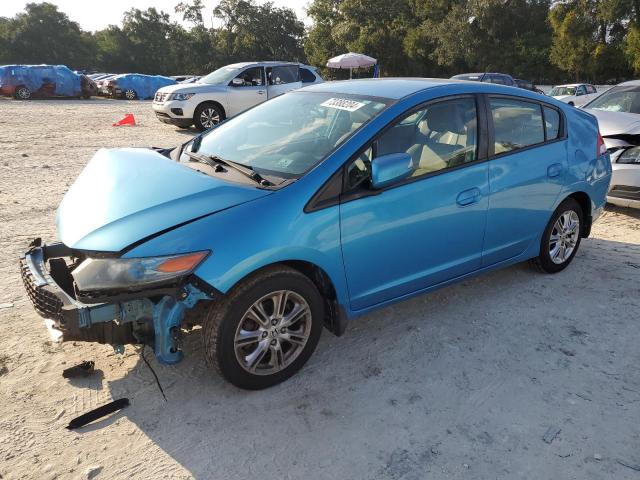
[390,168]
[237,82]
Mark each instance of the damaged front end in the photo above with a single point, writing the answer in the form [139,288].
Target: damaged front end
[113,300]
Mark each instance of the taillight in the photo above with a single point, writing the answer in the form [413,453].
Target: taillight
[601,148]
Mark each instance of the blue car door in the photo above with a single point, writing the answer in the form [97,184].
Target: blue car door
[428,228]
[526,174]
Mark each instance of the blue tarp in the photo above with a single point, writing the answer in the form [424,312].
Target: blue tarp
[145,86]
[66,82]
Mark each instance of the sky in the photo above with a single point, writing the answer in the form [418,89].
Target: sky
[93,14]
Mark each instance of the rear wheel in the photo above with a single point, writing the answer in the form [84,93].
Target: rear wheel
[265,329]
[561,238]
[130,94]
[22,93]
[207,116]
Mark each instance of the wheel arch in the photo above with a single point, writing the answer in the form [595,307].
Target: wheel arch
[584,200]
[18,87]
[212,102]
[335,316]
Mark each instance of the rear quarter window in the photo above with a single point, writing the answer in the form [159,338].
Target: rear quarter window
[551,123]
[307,75]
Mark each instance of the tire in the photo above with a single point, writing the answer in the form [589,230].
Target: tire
[267,357]
[206,116]
[130,94]
[22,93]
[572,104]
[551,258]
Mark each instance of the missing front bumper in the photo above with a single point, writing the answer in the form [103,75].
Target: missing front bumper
[126,319]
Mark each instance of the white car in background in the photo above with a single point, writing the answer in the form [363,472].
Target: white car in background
[228,91]
[576,94]
[618,114]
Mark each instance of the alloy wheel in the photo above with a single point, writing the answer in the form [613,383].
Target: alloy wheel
[130,94]
[209,117]
[23,93]
[564,237]
[273,332]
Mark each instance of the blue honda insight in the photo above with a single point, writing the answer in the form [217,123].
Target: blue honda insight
[311,209]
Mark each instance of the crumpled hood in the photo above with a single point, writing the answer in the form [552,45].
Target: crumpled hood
[616,123]
[125,195]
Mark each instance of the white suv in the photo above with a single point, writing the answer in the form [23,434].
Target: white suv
[229,91]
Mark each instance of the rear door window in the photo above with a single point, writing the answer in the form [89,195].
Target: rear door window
[284,74]
[517,124]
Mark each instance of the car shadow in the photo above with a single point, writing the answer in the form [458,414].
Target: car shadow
[429,383]
[191,131]
[626,211]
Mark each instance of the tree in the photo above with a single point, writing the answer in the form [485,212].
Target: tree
[589,38]
[42,34]
[252,31]
[373,27]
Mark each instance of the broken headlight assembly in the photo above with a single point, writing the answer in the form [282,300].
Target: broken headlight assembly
[99,274]
[631,155]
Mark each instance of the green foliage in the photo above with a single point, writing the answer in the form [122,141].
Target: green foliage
[42,34]
[589,38]
[148,41]
[543,40]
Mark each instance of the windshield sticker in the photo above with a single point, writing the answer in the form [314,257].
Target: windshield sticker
[343,104]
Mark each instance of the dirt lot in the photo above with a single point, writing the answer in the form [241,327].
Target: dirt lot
[459,384]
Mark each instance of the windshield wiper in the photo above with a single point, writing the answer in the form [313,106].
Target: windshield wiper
[247,171]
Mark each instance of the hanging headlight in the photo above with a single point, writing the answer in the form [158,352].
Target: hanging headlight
[96,274]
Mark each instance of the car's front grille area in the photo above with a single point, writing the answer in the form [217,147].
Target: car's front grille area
[626,192]
[46,303]
[160,97]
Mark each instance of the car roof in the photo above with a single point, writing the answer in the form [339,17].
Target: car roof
[265,63]
[396,88]
[631,83]
[571,85]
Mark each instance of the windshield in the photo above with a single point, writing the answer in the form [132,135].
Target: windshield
[222,76]
[618,99]
[287,136]
[559,91]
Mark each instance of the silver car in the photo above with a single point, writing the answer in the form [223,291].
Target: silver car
[228,91]
[618,114]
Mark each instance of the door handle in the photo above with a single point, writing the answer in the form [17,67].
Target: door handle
[260,92]
[467,197]
[554,170]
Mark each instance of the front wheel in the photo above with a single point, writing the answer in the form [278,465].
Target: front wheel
[561,238]
[207,116]
[265,329]
[130,94]
[22,93]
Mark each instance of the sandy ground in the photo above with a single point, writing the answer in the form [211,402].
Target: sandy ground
[459,384]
